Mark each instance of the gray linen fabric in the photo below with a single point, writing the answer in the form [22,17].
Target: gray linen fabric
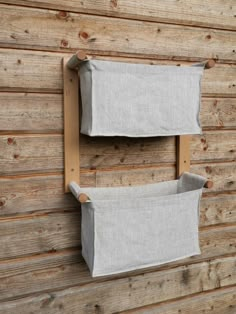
[127,228]
[139,100]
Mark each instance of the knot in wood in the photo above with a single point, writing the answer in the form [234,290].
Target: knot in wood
[83,35]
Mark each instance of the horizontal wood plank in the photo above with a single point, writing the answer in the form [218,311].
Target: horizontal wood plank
[17,73]
[222,175]
[28,28]
[206,147]
[26,194]
[44,152]
[56,270]
[218,113]
[31,112]
[40,233]
[40,262]
[219,301]
[46,193]
[221,15]
[217,210]
[35,112]
[54,231]
[30,153]
[127,293]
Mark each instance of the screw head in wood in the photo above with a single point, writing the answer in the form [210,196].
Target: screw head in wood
[208,184]
[210,64]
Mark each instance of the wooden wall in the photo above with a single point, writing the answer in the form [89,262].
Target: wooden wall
[41,268]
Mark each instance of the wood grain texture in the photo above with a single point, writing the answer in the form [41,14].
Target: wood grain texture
[127,293]
[221,15]
[28,28]
[31,112]
[26,194]
[28,153]
[218,113]
[218,209]
[41,233]
[37,112]
[56,270]
[42,272]
[207,147]
[17,73]
[46,193]
[40,262]
[54,231]
[219,301]
[222,174]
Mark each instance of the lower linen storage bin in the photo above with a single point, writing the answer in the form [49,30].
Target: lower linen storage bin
[127,228]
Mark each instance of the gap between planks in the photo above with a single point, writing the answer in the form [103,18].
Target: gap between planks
[40,214]
[29,174]
[61,131]
[106,54]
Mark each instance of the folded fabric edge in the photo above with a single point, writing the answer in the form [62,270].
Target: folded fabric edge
[95,273]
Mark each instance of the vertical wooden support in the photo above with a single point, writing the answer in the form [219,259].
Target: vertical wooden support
[71,125]
[183,154]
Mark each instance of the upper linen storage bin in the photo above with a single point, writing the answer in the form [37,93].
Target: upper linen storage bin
[137,100]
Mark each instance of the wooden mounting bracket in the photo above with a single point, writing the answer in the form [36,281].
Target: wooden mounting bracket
[183,157]
[71,125]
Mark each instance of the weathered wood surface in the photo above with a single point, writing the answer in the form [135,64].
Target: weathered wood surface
[42,272]
[40,262]
[218,112]
[46,193]
[217,210]
[127,293]
[59,269]
[35,112]
[54,231]
[44,152]
[30,153]
[40,233]
[222,174]
[31,112]
[220,15]
[207,146]
[218,302]
[26,194]
[28,28]
[17,73]
[40,225]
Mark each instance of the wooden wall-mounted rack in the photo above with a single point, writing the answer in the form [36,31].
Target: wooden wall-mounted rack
[71,125]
